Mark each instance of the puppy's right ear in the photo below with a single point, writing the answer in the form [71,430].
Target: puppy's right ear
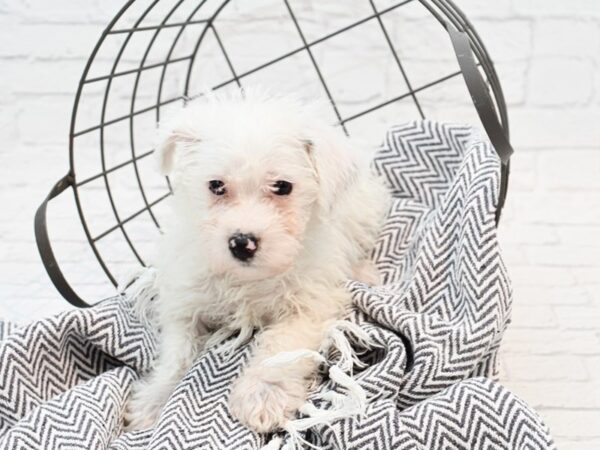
[169,142]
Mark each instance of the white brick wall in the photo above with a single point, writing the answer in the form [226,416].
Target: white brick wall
[547,54]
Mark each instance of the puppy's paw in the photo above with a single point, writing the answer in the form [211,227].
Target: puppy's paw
[263,401]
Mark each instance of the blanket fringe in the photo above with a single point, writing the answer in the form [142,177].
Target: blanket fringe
[352,402]
[273,444]
[336,339]
[140,288]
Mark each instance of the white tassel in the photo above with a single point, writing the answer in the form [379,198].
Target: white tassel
[348,357]
[336,399]
[353,402]
[296,441]
[360,336]
[336,338]
[357,398]
[289,446]
[286,358]
[273,444]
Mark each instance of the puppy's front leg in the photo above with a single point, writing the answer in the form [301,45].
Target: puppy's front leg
[180,342]
[263,398]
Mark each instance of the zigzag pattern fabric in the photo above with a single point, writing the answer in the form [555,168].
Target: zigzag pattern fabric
[435,325]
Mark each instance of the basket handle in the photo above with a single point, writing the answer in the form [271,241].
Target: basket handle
[45,249]
[485,109]
[479,94]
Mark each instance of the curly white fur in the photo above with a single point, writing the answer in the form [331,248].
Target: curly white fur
[309,242]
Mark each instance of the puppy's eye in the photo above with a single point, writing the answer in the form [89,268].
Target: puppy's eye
[281,187]
[217,187]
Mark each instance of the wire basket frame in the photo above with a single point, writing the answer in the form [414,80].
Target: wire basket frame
[157,55]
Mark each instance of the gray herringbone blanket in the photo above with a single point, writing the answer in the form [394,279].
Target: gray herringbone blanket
[422,353]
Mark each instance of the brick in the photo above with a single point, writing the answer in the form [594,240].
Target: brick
[566,37]
[541,276]
[43,41]
[514,256]
[578,317]
[557,208]
[60,11]
[557,81]
[553,394]
[8,127]
[45,121]
[27,309]
[506,40]
[578,444]
[557,8]
[518,233]
[586,276]
[478,9]
[577,425]
[9,28]
[524,171]
[106,9]
[564,255]
[59,77]
[546,368]
[546,295]
[22,273]
[514,80]
[533,317]
[579,235]
[542,128]
[593,364]
[570,170]
[552,341]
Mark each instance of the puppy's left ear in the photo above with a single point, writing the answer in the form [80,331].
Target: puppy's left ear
[335,162]
[169,142]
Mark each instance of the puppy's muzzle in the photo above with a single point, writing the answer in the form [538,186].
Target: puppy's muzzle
[243,246]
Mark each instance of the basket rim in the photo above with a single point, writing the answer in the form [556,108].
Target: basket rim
[445,12]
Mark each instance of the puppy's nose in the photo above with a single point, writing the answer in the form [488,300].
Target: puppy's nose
[243,246]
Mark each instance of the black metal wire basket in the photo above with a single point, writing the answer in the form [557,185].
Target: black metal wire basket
[378,63]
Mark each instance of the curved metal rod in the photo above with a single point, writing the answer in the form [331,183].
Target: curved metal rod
[102,117]
[197,47]
[162,75]
[397,59]
[45,248]
[132,108]
[480,95]
[497,87]
[458,20]
[171,50]
[316,67]
[72,133]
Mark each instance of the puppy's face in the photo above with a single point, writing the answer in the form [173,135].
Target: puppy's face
[247,181]
[251,203]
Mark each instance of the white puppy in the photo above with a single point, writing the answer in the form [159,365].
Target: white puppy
[273,211]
